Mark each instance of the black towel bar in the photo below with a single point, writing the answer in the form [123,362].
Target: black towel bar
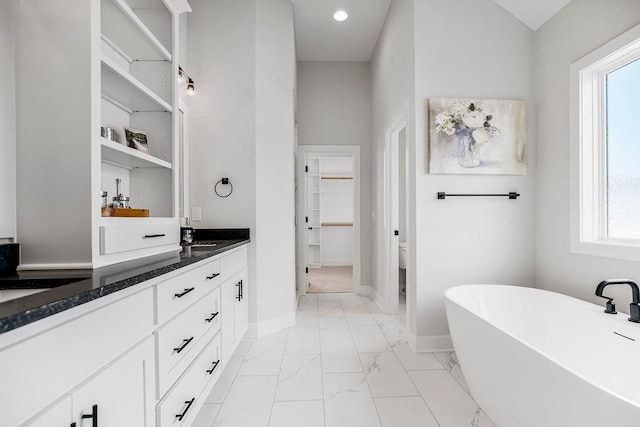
[512,195]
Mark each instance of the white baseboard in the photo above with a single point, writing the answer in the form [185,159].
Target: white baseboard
[430,343]
[267,327]
[377,298]
[362,290]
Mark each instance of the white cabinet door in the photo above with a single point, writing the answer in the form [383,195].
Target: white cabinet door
[122,394]
[227,311]
[241,311]
[59,415]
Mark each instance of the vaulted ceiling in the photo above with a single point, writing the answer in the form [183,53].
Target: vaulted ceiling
[320,38]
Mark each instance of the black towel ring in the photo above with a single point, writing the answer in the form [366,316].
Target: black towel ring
[223,181]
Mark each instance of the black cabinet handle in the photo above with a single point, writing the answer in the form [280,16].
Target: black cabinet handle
[213,316]
[93,416]
[241,290]
[185,343]
[186,291]
[73,424]
[189,403]
[213,276]
[215,365]
[151,236]
[239,285]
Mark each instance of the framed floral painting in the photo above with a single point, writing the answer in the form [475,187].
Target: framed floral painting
[477,136]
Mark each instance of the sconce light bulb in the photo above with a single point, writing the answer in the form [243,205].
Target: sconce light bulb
[191,88]
[180,75]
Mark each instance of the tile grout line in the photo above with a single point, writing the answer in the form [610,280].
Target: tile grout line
[324,409]
[275,392]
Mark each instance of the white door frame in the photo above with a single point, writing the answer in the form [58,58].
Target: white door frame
[391,209]
[304,152]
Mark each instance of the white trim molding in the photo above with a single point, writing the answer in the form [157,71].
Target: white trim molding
[430,343]
[588,231]
[260,329]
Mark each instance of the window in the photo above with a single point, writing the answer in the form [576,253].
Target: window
[605,150]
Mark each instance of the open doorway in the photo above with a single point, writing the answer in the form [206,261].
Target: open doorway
[329,225]
[396,218]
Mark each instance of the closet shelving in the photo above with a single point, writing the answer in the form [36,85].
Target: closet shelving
[313,226]
[324,175]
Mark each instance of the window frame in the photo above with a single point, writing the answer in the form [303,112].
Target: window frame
[588,152]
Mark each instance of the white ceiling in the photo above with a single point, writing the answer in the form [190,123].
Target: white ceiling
[320,38]
[533,13]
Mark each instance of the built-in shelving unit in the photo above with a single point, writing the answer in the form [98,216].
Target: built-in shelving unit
[118,70]
[328,216]
[123,156]
[314,231]
[121,86]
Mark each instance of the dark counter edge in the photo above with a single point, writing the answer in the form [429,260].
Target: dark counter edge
[16,314]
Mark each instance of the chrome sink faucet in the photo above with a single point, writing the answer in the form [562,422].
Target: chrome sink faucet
[634,307]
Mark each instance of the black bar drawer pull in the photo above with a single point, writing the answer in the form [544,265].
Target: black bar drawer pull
[213,276]
[151,236]
[189,403]
[215,365]
[213,316]
[239,285]
[186,291]
[93,416]
[185,343]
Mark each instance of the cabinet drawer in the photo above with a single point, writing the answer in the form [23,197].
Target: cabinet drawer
[41,369]
[181,404]
[131,237]
[233,263]
[180,340]
[178,293]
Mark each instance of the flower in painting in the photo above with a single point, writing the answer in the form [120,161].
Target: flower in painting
[465,117]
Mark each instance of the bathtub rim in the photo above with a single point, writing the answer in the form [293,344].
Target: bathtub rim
[543,353]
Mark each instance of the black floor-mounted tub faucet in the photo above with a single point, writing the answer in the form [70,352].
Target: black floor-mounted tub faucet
[634,307]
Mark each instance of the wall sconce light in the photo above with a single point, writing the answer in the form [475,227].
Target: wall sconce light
[182,77]
[191,87]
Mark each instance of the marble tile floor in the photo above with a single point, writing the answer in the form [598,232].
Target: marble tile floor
[344,364]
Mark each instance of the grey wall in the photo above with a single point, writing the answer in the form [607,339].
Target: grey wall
[242,56]
[275,224]
[334,108]
[487,54]
[466,48]
[579,28]
[392,90]
[7,123]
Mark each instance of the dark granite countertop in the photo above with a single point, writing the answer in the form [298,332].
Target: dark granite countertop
[66,289]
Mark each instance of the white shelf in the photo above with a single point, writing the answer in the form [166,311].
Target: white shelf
[313,192]
[121,24]
[314,244]
[315,210]
[119,154]
[129,91]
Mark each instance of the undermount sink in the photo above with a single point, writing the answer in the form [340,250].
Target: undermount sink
[17,288]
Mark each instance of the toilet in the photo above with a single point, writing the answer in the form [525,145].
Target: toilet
[402,255]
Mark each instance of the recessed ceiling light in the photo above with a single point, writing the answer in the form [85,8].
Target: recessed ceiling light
[340,15]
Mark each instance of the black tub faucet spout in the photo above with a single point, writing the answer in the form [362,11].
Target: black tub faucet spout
[634,307]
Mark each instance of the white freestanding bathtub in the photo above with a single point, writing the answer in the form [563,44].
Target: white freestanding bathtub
[534,358]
